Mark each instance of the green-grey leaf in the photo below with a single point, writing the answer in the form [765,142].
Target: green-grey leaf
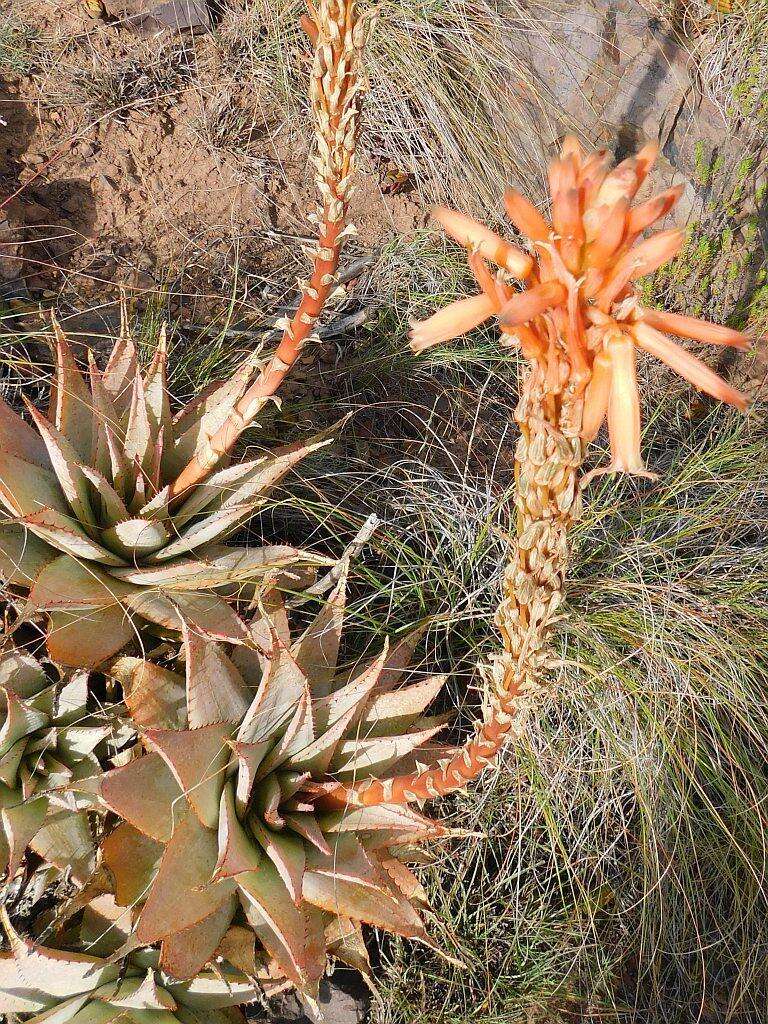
[135,538]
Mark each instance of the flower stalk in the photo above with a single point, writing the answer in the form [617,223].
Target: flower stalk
[577,322]
[336,88]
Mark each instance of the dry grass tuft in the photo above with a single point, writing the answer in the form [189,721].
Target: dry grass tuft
[86,75]
[448,90]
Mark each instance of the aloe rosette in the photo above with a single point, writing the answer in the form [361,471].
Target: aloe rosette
[227,813]
[117,508]
[94,536]
[52,737]
[39,985]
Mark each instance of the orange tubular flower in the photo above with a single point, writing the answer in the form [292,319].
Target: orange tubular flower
[624,409]
[452,321]
[577,321]
[579,289]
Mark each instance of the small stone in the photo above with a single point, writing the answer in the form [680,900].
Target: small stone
[106,182]
[144,281]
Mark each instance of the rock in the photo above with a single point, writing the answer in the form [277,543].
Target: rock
[343,1000]
[630,80]
[143,281]
[147,19]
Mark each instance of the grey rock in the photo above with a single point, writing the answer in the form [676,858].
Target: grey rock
[618,73]
[344,999]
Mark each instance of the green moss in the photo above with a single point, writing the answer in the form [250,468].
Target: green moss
[706,170]
[719,251]
[757,309]
[702,167]
[745,168]
[749,96]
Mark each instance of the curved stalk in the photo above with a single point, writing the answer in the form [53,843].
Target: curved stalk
[336,85]
[547,460]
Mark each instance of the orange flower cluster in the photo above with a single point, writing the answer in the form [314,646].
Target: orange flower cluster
[579,316]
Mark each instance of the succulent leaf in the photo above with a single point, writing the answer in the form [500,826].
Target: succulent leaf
[68,584]
[22,556]
[88,637]
[132,859]
[19,439]
[93,485]
[217,692]
[145,792]
[51,743]
[72,401]
[183,893]
[51,986]
[155,697]
[239,795]
[198,759]
[204,611]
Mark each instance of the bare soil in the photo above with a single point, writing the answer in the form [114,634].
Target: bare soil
[198,186]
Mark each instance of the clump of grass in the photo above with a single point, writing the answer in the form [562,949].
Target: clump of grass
[88,76]
[227,126]
[18,46]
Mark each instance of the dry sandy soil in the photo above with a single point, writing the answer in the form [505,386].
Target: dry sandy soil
[176,162]
[196,187]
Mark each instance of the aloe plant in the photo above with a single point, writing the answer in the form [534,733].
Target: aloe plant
[93,536]
[119,507]
[578,322]
[52,739]
[229,809]
[39,985]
